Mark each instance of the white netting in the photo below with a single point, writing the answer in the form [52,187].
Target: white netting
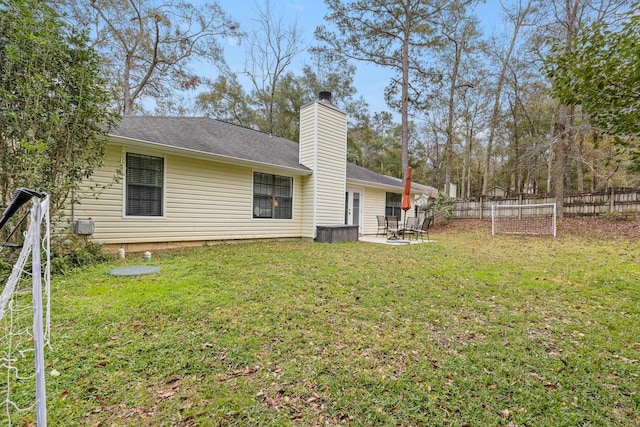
[25,325]
[536,219]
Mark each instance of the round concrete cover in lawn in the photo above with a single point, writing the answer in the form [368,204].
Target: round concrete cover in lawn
[134,270]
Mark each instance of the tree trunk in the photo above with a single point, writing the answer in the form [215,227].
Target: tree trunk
[519,21]
[579,163]
[404,105]
[559,172]
[562,129]
[516,147]
[468,160]
[570,147]
[550,160]
[448,150]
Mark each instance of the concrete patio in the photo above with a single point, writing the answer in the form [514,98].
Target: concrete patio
[371,238]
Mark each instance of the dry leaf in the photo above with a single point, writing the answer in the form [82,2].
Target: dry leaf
[48,365]
[165,394]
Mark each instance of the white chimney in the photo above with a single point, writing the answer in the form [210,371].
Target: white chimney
[323,149]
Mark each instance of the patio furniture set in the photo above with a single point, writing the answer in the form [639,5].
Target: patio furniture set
[412,228]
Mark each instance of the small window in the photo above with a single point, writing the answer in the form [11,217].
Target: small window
[392,205]
[272,196]
[145,181]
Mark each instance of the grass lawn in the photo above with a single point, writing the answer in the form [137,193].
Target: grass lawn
[469,330]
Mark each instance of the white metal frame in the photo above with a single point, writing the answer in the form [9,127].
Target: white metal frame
[553,221]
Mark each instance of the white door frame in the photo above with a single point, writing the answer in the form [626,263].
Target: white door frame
[350,210]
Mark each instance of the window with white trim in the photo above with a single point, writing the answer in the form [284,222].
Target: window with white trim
[392,205]
[272,196]
[145,185]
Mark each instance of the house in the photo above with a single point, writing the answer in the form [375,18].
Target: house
[496,192]
[188,180]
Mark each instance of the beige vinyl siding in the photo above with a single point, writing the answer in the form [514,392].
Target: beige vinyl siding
[374,201]
[100,197]
[308,135]
[307,158]
[305,206]
[323,145]
[331,168]
[373,204]
[204,200]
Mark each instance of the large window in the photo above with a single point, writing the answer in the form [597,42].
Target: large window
[145,180]
[272,196]
[392,205]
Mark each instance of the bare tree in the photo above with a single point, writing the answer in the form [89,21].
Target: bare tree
[272,47]
[148,46]
[274,92]
[473,115]
[390,33]
[519,18]
[459,41]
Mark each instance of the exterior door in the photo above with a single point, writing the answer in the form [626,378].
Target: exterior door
[353,208]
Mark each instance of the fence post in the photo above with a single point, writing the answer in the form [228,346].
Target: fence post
[481,206]
[611,201]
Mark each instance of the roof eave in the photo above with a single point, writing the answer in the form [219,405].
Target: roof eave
[352,181]
[209,156]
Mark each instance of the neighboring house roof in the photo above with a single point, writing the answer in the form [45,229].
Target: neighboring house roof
[426,189]
[210,136]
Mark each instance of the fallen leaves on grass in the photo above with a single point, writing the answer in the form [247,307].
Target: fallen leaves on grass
[247,370]
[624,359]
[284,397]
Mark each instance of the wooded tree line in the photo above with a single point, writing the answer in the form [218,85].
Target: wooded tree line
[547,105]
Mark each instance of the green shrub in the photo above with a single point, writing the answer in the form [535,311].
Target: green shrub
[443,204]
[7,258]
[68,252]
[71,251]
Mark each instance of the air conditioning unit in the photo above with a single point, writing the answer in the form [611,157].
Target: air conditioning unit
[84,226]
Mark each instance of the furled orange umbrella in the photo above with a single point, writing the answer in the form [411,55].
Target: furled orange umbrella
[406,197]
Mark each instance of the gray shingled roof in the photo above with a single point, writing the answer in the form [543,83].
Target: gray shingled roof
[211,136]
[359,173]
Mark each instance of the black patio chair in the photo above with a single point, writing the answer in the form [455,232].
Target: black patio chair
[382,225]
[427,222]
[411,227]
[392,227]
